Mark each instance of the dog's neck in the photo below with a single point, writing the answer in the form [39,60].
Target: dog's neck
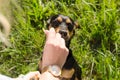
[67,43]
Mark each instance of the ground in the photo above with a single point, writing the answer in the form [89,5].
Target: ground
[95,45]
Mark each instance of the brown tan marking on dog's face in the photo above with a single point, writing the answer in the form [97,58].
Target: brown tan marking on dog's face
[62,24]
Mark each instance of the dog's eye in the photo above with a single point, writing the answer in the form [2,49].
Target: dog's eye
[70,26]
[55,23]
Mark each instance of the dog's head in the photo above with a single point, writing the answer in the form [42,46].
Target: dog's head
[64,25]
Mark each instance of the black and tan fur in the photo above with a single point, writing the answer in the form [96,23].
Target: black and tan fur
[66,27]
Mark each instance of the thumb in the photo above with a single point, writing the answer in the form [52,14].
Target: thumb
[45,31]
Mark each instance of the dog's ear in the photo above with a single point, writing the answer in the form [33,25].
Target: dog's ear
[77,26]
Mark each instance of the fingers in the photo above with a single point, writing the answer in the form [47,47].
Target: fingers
[50,34]
[62,43]
[58,35]
[57,39]
[54,37]
[32,76]
[45,31]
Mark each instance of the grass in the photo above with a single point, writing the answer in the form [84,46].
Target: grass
[96,45]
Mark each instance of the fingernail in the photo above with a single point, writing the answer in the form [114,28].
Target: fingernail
[51,28]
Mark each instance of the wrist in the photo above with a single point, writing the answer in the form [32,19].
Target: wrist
[54,70]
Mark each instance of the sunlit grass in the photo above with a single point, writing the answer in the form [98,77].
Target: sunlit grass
[96,45]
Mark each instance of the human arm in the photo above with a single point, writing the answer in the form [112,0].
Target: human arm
[55,53]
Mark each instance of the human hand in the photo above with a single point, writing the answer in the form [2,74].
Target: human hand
[55,51]
[48,76]
[29,76]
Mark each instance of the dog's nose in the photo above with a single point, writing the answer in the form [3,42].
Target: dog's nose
[63,33]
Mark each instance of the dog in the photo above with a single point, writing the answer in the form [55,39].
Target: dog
[66,27]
